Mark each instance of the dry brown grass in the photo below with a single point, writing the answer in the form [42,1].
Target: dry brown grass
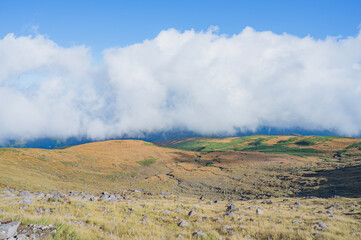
[115,166]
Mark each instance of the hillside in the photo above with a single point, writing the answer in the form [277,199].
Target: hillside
[245,171]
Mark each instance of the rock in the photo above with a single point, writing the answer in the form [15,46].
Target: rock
[166,212]
[259,211]
[318,228]
[191,213]
[230,230]
[217,201]
[231,208]
[25,200]
[322,225]
[318,235]
[220,220]
[24,207]
[21,237]
[198,234]
[180,236]
[8,230]
[298,204]
[183,224]
[232,214]
[144,221]
[267,202]
[202,198]
[24,194]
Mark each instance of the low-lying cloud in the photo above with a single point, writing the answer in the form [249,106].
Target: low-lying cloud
[198,81]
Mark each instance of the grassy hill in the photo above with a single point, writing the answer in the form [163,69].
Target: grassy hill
[292,145]
[244,170]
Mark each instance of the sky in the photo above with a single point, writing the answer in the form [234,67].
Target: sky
[103,69]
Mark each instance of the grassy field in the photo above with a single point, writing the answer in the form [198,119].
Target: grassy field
[292,145]
[245,171]
[155,217]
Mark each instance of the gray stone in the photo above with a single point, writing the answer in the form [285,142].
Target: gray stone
[183,224]
[166,212]
[322,225]
[198,234]
[8,230]
[21,237]
[230,230]
[25,200]
[318,235]
[259,211]
[191,213]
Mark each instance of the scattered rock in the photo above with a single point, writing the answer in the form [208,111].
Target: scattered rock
[231,208]
[183,223]
[198,234]
[318,235]
[166,212]
[259,211]
[191,213]
[8,230]
[322,225]
[230,230]
[25,200]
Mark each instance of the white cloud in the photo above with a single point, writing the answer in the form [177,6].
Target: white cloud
[199,81]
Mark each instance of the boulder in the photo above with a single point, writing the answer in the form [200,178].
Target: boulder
[8,230]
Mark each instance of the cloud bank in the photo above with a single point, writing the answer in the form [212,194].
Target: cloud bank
[198,81]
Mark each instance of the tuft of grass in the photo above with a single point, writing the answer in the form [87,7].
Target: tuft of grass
[147,162]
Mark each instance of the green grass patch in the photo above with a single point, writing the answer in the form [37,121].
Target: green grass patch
[207,144]
[355,145]
[9,150]
[283,150]
[147,162]
[42,159]
[66,163]
[305,142]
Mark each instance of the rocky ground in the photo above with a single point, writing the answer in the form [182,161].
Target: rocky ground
[135,214]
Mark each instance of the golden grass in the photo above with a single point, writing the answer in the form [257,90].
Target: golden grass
[103,220]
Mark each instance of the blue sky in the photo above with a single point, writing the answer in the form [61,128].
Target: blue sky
[106,69]
[104,24]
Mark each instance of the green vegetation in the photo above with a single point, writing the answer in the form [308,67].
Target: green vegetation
[209,145]
[66,163]
[147,162]
[148,144]
[8,150]
[356,145]
[255,143]
[42,159]
[283,150]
